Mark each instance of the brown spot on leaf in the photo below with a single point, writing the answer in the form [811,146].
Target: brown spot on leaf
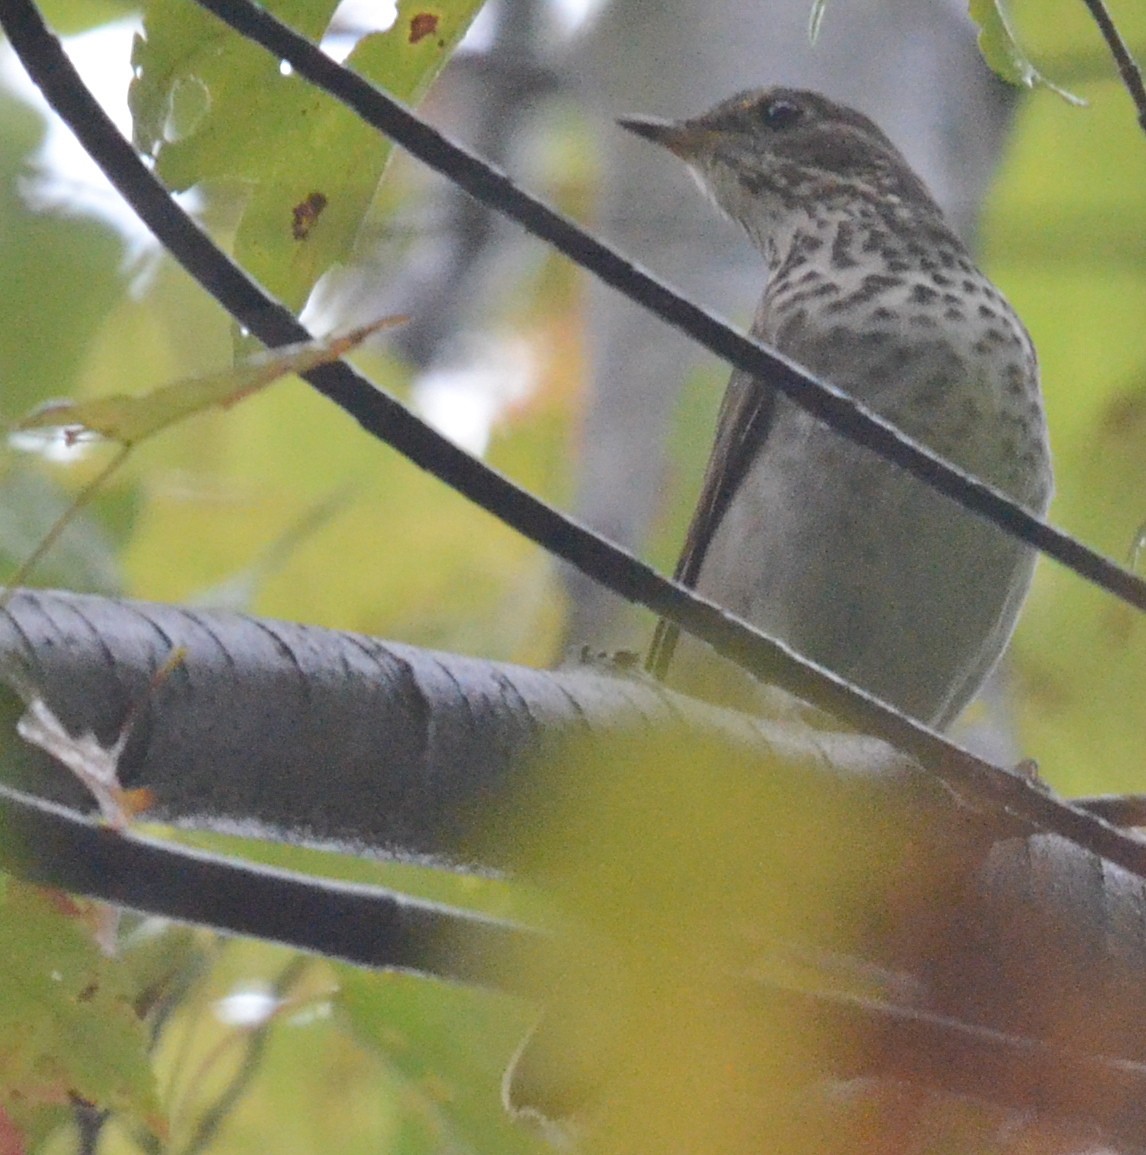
[305,215]
[421,25]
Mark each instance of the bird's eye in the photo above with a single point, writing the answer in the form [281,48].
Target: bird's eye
[780,113]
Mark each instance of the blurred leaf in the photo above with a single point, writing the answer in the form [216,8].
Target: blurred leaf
[69,17]
[408,558]
[1062,235]
[687,453]
[67,1025]
[682,870]
[225,111]
[446,1048]
[1085,666]
[313,1087]
[68,269]
[1002,51]
[129,420]
[238,592]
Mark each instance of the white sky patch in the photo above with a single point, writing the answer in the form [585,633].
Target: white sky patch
[372,15]
[251,1004]
[479,35]
[569,16]
[352,20]
[465,400]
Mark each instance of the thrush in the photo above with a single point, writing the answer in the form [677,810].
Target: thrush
[822,543]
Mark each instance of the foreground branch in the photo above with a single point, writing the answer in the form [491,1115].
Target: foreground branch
[343,740]
[1018,960]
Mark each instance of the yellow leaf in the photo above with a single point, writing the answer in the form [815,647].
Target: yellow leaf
[131,419]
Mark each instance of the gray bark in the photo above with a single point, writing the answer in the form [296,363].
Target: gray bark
[339,739]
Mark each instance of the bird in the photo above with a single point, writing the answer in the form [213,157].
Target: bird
[818,541]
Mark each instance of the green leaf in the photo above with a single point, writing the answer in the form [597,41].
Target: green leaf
[69,17]
[1002,52]
[67,1024]
[48,324]
[210,106]
[202,95]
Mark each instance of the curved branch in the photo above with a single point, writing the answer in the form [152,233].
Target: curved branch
[347,741]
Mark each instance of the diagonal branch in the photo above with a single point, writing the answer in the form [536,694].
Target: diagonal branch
[364,925]
[1127,66]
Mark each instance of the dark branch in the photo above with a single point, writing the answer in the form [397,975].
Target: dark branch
[957,1057]
[208,1125]
[426,744]
[420,752]
[1127,66]
[53,845]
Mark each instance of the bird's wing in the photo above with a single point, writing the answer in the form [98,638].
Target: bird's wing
[745,419]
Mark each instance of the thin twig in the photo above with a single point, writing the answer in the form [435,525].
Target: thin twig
[83,498]
[1127,66]
[254,1050]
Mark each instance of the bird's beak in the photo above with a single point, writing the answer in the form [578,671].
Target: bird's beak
[686,138]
